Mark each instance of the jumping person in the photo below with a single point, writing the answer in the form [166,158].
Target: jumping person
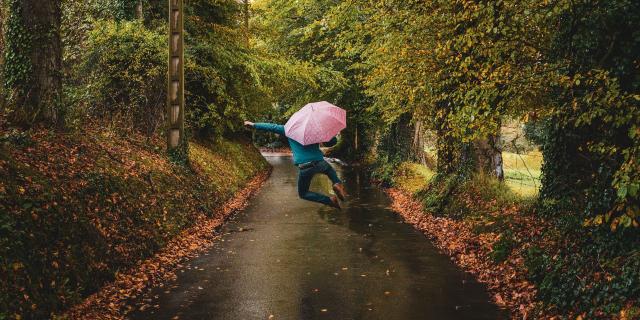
[310,161]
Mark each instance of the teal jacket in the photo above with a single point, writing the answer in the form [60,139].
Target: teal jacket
[301,154]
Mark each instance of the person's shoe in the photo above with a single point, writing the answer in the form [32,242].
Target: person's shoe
[338,188]
[334,202]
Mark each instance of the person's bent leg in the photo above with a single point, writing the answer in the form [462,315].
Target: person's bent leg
[317,197]
[304,182]
[330,172]
[337,185]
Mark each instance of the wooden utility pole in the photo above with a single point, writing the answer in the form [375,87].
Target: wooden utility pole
[175,90]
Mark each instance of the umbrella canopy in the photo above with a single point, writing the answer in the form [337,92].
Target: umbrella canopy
[316,122]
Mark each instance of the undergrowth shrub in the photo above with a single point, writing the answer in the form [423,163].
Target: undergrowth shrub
[125,68]
[503,247]
[384,169]
[439,197]
[591,270]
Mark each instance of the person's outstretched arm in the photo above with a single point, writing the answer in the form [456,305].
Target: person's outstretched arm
[270,127]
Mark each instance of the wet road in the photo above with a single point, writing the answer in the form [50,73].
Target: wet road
[285,258]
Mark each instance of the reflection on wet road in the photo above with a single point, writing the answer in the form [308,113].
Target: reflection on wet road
[285,258]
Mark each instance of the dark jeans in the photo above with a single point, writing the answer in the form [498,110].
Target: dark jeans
[304,181]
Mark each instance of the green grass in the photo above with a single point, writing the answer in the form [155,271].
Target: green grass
[412,177]
[228,168]
[522,172]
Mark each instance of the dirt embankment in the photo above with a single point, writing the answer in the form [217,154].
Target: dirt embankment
[80,210]
[111,301]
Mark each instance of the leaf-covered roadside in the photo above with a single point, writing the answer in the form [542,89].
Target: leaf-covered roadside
[78,208]
[503,248]
[471,252]
[112,301]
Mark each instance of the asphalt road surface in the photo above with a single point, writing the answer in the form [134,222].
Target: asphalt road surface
[286,258]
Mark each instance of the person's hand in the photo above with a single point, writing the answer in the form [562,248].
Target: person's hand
[249,124]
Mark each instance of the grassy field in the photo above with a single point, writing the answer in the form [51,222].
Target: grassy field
[522,172]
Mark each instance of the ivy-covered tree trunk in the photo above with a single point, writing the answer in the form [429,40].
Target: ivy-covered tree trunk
[449,153]
[398,142]
[559,172]
[419,142]
[34,61]
[448,149]
[488,156]
[2,19]
[3,16]
[590,141]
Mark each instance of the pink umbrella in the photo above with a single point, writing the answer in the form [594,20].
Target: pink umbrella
[315,123]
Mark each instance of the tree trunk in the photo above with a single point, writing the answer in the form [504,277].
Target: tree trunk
[395,143]
[419,142]
[446,152]
[3,16]
[447,148]
[139,10]
[37,47]
[488,155]
[400,143]
[355,139]
[2,19]
[498,164]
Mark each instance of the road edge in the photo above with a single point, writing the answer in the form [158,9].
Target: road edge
[111,301]
[507,286]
